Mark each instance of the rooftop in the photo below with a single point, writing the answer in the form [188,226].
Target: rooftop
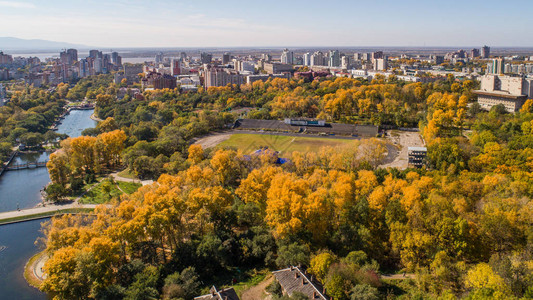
[417,149]
[295,280]
[224,294]
[503,94]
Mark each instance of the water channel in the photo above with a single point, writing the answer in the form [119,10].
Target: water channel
[21,188]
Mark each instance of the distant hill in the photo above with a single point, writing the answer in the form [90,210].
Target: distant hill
[11,43]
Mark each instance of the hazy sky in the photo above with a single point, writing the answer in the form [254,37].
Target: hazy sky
[210,23]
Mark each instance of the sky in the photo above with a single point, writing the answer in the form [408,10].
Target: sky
[270,23]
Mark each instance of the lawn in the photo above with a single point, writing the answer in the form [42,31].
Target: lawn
[107,190]
[284,144]
[128,187]
[127,173]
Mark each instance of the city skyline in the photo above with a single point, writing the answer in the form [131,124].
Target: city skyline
[235,23]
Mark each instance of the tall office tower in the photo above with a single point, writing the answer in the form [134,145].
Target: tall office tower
[114,58]
[367,57]
[287,57]
[98,65]
[498,66]
[83,68]
[93,53]
[64,58]
[334,58]
[106,63]
[485,52]
[183,56]
[73,54]
[307,59]
[159,58]
[357,56]
[175,67]
[225,58]
[206,58]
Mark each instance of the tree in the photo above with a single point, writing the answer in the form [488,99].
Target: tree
[482,277]
[292,255]
[184,285]
[364,292]
[320,264]
[145,285]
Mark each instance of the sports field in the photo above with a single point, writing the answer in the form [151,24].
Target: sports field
[284,144]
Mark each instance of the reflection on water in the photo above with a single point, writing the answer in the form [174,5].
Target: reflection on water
[32,157]
[76,122]
[18,240]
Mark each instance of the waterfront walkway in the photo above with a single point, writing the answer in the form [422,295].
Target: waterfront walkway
[42,211]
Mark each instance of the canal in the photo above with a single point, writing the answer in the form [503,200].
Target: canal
[21,188]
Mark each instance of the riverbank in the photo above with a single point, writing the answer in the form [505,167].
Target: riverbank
[95,118]
[33,270]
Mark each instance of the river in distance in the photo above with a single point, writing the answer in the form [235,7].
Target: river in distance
[21,188]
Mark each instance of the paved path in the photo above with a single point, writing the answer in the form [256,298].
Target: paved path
[38,266]
[258,291]
[399,276]
[43,209]
[116,177]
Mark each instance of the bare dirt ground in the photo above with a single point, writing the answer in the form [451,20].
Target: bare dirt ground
[402,140]
[212,140]
[257,292]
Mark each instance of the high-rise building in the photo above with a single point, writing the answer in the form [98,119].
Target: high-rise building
[93,53]
[5,59]
[474,53]
[159,58]
[345,62]
[114,58]
[287,57]
[73,54]
[334,58]
[498,66]
[206,58]
[307,59]
[485,52]
[183,56]
[68,57]
[175,67]
[380,64]
[317,59]
[220,77]
[225,58]
[83,67]
[267,57]
[377,55]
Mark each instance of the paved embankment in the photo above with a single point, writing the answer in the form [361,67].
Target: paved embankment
[41,212]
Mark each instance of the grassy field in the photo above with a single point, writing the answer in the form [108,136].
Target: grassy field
[127,173]
[284,144]
[107,190]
